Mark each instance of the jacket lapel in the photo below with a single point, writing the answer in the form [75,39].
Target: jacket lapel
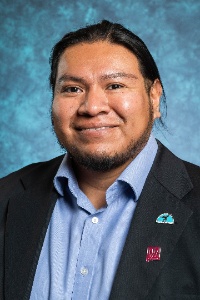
[28,217]
[166,185]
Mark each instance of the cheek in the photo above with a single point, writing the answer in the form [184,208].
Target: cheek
[56,107]
[62,111]
[132,104]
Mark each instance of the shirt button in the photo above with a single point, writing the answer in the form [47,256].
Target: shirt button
[84,271]
[95,220]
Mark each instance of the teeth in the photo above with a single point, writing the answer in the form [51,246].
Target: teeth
[99,128]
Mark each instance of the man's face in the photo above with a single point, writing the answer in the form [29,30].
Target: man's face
[101,111]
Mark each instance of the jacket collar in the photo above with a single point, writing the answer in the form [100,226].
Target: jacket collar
[168,182]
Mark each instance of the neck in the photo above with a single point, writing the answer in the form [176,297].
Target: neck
[95,184]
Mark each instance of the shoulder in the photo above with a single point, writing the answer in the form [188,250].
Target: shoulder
[164,155]
[178,175]
[35,171]
[14,184]
[193,170]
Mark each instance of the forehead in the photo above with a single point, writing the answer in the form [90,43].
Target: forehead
[101,55]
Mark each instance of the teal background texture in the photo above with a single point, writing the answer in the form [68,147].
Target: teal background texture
[28,31]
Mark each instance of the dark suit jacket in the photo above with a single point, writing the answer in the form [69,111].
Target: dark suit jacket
[26,203]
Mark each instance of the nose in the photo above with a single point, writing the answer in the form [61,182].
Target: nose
[95,102]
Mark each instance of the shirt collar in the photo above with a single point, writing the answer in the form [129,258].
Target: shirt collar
[137,171]
[134,175]
[65,176]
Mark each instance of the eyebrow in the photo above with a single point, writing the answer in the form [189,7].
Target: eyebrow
[119,75]
[67,77]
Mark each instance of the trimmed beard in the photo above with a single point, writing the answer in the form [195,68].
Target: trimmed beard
[104,162]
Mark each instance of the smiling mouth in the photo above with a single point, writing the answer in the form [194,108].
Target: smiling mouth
[96,128]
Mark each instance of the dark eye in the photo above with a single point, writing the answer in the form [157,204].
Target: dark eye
[115,86]
[71,89]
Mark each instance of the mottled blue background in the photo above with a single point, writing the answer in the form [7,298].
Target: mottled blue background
[28,31]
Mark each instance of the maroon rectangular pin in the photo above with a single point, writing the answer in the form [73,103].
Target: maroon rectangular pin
[153,253]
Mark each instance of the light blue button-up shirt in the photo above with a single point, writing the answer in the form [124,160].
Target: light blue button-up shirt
[82,246]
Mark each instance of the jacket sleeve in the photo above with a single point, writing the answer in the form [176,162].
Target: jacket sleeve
[8,185]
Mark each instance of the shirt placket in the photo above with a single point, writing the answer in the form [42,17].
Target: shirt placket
[85,268]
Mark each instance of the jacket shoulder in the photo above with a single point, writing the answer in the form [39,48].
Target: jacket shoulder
[164,154]
[193,171]
[38,171]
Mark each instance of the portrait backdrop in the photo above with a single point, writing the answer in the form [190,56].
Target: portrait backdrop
[28,31]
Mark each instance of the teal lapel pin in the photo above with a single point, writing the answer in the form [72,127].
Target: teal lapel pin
[165,218]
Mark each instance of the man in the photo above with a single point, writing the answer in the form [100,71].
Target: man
[118,216]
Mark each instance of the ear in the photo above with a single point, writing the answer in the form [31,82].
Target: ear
[155,95]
